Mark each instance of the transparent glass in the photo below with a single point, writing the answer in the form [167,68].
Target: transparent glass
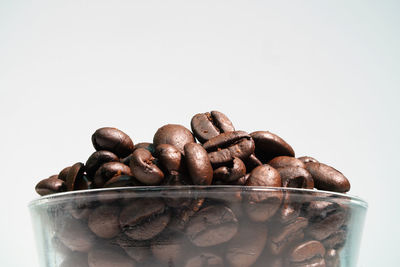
[198,226]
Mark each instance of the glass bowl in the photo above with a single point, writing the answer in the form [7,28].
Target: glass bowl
[192,226]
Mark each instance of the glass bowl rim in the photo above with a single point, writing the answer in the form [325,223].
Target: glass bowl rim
[193,188]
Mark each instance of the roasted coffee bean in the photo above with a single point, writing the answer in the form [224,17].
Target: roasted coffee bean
[205,259]
[198,164]
[231,173]
[328,178]
[262,206]
[335,240]
[211,226]
[173,134]
[245,248]
[208,125]
[104,221]
[146,145]
[122,181]
[184,212]
[63,173]
[169,157]
[137,250]
[252,162]
[269,146]
[285,236]
[289,210]
[79,209]
[307,251]
[286,161]
[75,178]
[144,218]
[75,259]
[109,170]
[75,235]
[108,256]
[168,248]
[97,159]
[50,185]
[225,147]
[307,159]
[144,167]
[296,177]
[113,140]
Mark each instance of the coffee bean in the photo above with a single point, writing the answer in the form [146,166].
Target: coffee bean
[184,212]
[109,170]
[75,259]
[290,209]
[75,235]
[211,226]
[296,177]
[50,185]
[231,173]
[103,221]
[226,146]
[269,146]
[262,206]
[306,251]
[208,125]
[173,134]
[328,178]
[97,159]
[113,140]
[286,161]
[75,178]
[109,256]
[63,174]
[205,259]
[335,240]
[252,162]
[146,145]
[307,159]
[198,164]
[285,236]
[245,248]
[144,167]
[144,218]
[169,157]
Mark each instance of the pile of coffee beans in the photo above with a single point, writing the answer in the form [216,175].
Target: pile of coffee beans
[242,228]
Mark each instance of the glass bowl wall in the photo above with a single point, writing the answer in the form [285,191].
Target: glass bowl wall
[198,226]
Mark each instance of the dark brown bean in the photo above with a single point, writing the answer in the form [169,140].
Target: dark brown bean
[335,240]
[169,157]
[211,226]
[144,218]
[245,248]
[76,179]
[306,251]
[63,173]
[252,162]
[75,235]
[173,134]
[286,161]
[50,185]
[97,159]
[226,146]
[198,164]
[122,181]
[296,177]
[231,173]
[104,221]
[109,170]
[307,159]
[208,125]
[137,250]
[328,178]
[269,146]
[109,256]
[113,140]
[144,167]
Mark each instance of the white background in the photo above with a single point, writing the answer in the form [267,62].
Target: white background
[324,75]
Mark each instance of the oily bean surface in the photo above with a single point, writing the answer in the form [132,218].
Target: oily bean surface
[50,185]
[286,161]
[296,177]
[328,178]
[75,178]
[173,134]
[198,164]
[231,173]
[97,159]
[109,170]
[114,140]
[306,251]
[307,159]
[269,146]
[144,167]
[170,158]
[208,125]
[104,221]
